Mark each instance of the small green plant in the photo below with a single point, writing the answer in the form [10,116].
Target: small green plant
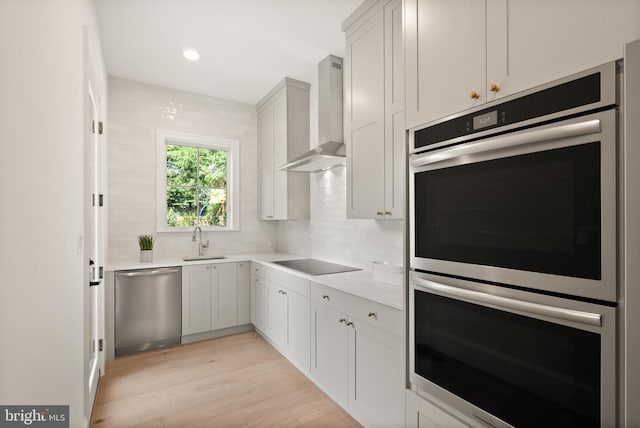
[146,242]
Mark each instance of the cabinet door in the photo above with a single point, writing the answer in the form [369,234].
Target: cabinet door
[276,315]
[557,39]
[364,82]
[280,194]
[365,173]
[259,304]
[244,300]
[224,296]
[299,330]
[394,132]
[329,354]
[376,387]
[266,136]
[266,192]
[196,299]
[445,57]
[421,413]
[280,141]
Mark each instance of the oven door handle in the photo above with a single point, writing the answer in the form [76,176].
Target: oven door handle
[512,304]
[508,141]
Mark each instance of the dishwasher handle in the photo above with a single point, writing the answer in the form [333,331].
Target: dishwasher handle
[148,272]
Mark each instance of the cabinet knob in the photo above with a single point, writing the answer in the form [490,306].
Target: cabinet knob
[379,213]
[494,88]
[325,297]
[474,95]
[387,213]
[372,315]
[349,323]
[343,321]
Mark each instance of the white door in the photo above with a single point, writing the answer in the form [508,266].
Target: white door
[95,300]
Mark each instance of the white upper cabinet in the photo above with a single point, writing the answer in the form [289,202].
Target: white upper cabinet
[465,53]
[283,134]
[445,57]
[374,116]
[552,39]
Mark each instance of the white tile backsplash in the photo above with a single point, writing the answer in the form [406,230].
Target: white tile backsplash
[328,235]
[136,111]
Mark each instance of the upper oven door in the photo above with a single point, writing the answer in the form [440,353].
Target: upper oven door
[534,208]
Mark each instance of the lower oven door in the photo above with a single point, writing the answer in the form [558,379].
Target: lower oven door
[509,357]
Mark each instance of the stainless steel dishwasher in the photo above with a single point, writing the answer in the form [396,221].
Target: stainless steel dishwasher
[148,304]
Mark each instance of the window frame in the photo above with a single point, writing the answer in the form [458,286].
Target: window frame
[231,146]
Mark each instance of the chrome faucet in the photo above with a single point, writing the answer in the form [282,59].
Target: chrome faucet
[201,247]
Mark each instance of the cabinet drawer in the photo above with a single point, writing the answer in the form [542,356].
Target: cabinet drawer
[284,279]
[372,313]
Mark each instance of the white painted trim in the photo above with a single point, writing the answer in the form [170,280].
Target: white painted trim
[232,146]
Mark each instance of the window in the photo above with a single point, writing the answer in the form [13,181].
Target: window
[197,182]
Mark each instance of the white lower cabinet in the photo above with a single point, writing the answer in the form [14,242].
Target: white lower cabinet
[422,413]
[377,365]
[214,296]
[351,347]
[280,311]
[357,350]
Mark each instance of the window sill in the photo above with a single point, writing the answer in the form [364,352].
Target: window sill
[190,229]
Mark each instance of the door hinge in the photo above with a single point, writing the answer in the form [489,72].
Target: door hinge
[100,128]
[100,200]
[100,345]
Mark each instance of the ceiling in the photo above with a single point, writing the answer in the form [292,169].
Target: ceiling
[245,46]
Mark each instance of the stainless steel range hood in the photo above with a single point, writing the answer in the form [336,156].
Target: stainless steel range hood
[331,151]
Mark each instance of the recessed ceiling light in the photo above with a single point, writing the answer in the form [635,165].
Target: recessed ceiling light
[191,54]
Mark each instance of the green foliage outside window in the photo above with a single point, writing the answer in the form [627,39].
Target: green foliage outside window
[196,186]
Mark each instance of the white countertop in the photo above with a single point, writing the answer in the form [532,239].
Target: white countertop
[359,283]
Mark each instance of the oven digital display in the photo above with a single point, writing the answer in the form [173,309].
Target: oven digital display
[484,120]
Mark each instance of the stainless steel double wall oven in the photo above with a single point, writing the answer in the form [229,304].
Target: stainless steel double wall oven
[513,243]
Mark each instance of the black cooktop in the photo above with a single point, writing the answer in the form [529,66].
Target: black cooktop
[315,267]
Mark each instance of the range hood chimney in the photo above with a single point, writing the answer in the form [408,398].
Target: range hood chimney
[331,150]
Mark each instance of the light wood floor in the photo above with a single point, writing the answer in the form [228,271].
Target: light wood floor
[233,381]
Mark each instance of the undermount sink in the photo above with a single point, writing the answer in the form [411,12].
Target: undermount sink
[192,258]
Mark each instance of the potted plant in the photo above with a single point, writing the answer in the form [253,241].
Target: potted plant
[146,247]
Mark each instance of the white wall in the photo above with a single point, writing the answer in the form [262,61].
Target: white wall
[42,114]
[136,110]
